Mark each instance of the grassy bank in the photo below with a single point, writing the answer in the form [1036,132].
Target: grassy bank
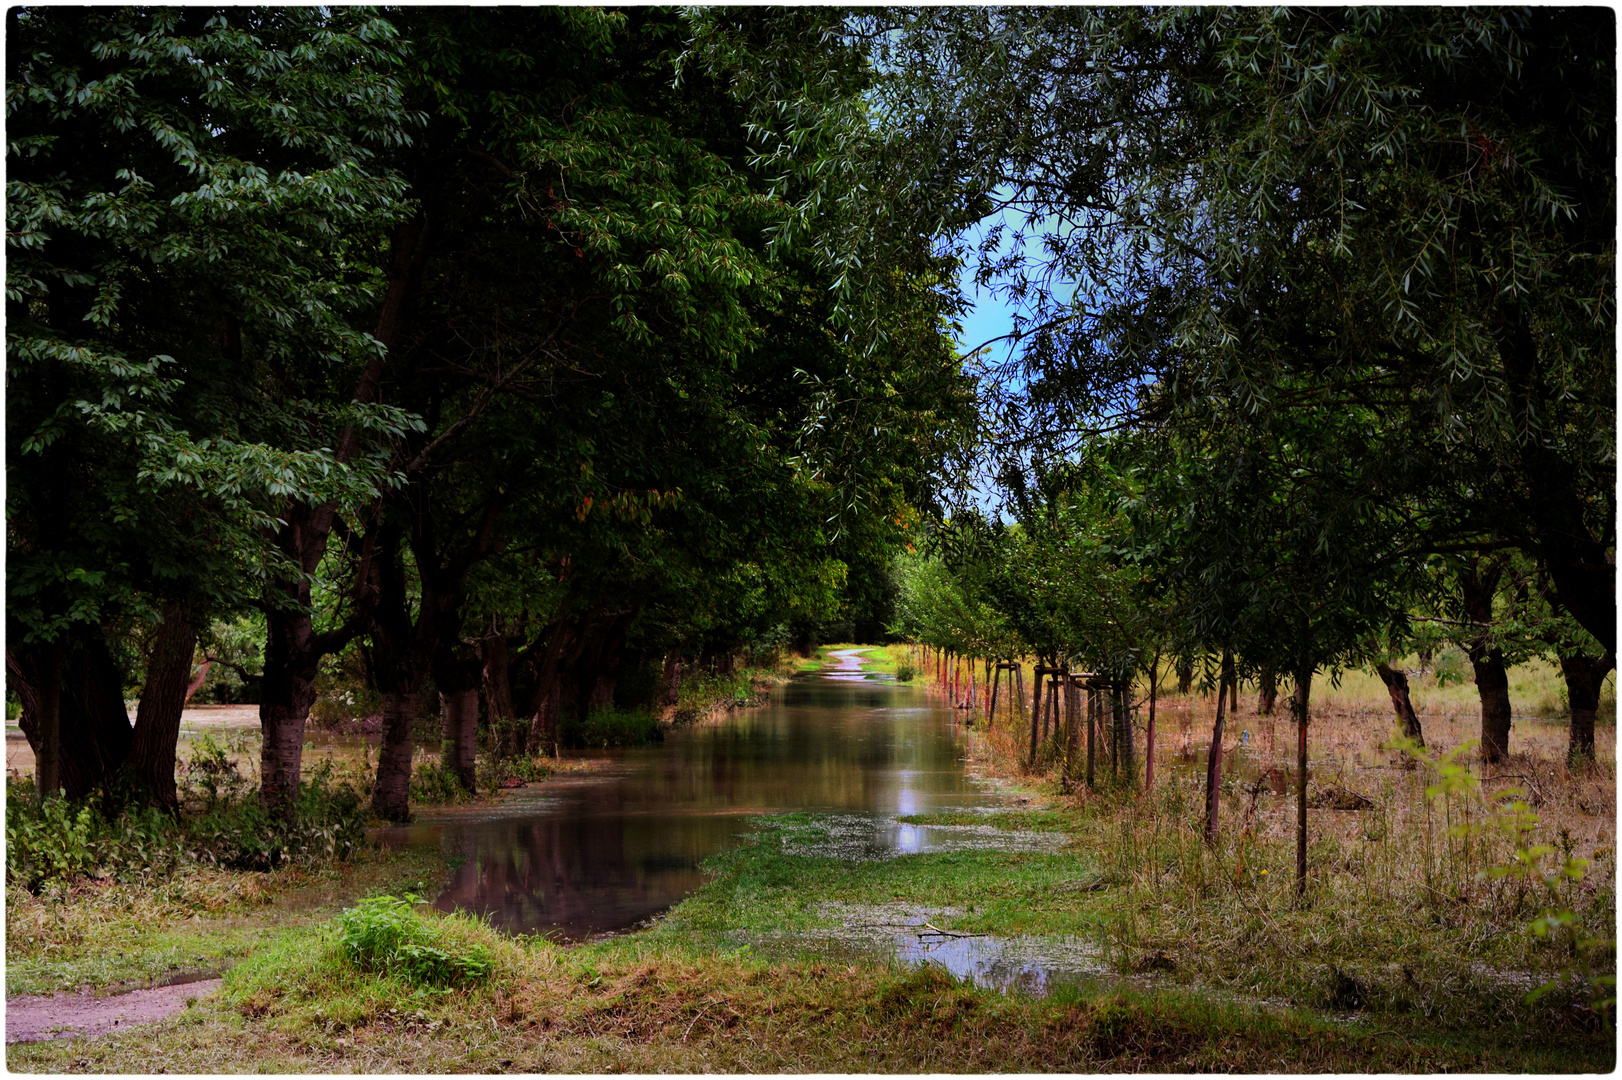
[1409,956]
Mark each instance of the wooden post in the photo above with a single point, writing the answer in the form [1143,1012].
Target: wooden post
[991,701]
[1092,719]
[1071,729]
[1016,679]
[1036,709]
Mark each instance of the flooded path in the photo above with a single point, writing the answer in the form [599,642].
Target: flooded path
[580,856]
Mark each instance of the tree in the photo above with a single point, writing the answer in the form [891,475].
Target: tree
[182,186]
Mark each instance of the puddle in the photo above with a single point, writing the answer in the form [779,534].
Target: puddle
[866,837]
[912,936]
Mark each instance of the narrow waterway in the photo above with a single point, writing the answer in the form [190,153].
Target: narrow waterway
[575,857]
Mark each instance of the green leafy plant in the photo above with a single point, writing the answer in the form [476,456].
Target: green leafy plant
[384,934]
[431,782]
[1553,871]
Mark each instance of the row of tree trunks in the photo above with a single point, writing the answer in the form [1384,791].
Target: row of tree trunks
[74,716]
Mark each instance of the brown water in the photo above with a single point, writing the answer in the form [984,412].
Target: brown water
[574,857]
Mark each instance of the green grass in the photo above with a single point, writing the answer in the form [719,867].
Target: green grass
[686,996]
[875,658]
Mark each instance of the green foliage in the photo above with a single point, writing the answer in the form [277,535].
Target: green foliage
[222,823]
[1552,869]
[165,284]
[433,784]
[610,727]
[384,934]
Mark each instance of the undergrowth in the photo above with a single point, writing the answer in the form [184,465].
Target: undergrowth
[221,823]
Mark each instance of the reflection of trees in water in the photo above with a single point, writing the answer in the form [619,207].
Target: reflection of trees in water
[615,853]
[581,875]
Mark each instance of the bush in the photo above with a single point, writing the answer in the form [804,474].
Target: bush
[384,935]
[493,773]
[604,728]
[223,824]
[904,671]
[431,783]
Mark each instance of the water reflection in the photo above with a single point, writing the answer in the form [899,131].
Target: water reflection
[577,857]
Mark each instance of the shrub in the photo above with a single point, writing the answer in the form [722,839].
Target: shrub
[384,934]
[431,782]
[904,671]
[46,844]
[223,824]
[604,728]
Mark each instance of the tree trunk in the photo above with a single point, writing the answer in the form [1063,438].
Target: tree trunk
[1092,731]
[163,698]
[1213,758]
[1584,677]
[1149,749]
[459,744]
[1301,704]
[1492,684]
[672,693]
[198,680]
[285,696]
[1479,582]
[1396,684]
[506,734]
[391,798]
[76,680]
[1266,692]
[48,726]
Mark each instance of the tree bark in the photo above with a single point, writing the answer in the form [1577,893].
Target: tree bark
[1213,758]
[1584,677]
[163,698]
[1396,684]
[1036,711]
[198,680]
[1149,750]
[391,797]
[1266,692]
[459,746]
[672,693]
[48,744]
[1479,583]
[75,679]
[495,664]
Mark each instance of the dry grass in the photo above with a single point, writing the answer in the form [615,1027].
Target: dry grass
[1419,903]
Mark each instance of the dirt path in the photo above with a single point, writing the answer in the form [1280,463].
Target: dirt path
[72,1016]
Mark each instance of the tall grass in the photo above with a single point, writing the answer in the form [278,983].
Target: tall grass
[1463,893]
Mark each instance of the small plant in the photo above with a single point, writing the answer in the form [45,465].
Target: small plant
[384,934]
[904,671]
[431,782]
[47,843]
[610,727]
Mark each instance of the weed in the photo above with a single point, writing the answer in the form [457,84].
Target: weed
[432,783]
[384,934]
[610,727]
